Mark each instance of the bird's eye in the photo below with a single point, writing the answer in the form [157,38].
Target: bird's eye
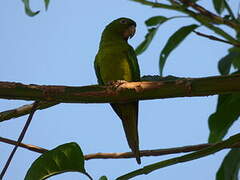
[123,21]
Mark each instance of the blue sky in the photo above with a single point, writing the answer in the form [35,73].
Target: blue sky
[58,47]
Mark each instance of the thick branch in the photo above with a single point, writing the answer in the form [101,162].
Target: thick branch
[130,91]
[155,152]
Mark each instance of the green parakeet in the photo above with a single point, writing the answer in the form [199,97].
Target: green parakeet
[116,60]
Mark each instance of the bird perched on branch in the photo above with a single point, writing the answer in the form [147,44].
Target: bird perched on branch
[115,61]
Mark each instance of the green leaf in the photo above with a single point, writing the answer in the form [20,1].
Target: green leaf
[219,5]
[238,35]
[28,10]
[215,29]
[222,33]
[103,178]
[64,158]
[233,58]
[153,23]
[46,4]
[224,65]
[230,166]
[156,20]
[173,42]
[226,114]
[148,39]
[235,51]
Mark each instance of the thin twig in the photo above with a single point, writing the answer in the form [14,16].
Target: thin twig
[26,146]
[181,159]
[215,38]
[204,12]
[19,139]
[155,152]
[229,10]
[202,15]
[24,110]
[215,18]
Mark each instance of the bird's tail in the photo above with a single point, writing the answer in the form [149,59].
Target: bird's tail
[128,113]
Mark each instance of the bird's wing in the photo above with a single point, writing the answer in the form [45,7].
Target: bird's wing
[97,71]
[133,62]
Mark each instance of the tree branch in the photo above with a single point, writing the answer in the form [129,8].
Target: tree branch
[158,5]
[155,152]
[23,110]
[202,15]
[188,157]
[215,18]
[127,92]
[157,88]
[26,146]
[211,16]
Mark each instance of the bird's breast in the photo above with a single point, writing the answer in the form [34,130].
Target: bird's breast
[115,66]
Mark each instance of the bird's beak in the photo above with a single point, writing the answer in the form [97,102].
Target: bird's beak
[132,30]
[129,33]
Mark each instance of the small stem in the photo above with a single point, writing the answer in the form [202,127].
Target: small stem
[229,10]
[88,175]
[216,38]
[19,139]
[123,155]
[181,159]
[26,146]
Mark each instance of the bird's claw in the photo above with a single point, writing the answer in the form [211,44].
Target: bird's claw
[116,84]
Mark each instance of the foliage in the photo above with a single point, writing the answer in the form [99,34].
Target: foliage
[227,110]
[29,11]
[230,166]
[64,158]
[173,42]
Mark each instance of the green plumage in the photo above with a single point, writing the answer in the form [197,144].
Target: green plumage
[116,60]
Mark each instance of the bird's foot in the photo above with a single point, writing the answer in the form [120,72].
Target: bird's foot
[114,85]
[117,83]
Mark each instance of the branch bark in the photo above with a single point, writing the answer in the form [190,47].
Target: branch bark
[126,92]
[157,88]
[204,12]
[215,18]
[181,159]
[153,87]
[215,38]
[200,14]
[26,146]
[154,152]
[24,110]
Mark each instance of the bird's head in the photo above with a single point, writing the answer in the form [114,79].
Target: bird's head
[123,27]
